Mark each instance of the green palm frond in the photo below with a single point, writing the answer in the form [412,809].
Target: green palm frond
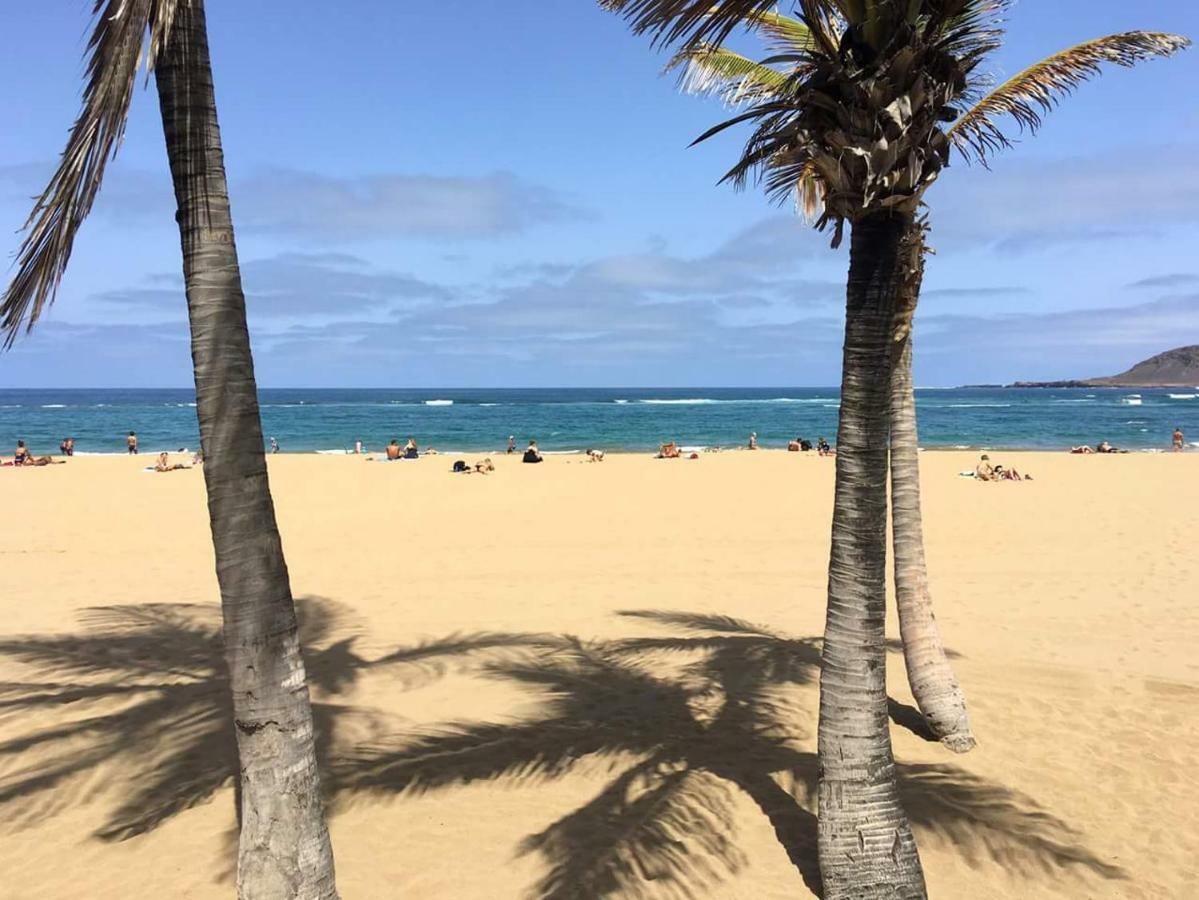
[114,55]
[786,34]
[716,72]
[1027,96]
[691,21]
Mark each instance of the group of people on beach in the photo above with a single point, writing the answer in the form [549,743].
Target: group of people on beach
[984,471]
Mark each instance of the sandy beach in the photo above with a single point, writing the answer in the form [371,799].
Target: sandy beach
[490,730]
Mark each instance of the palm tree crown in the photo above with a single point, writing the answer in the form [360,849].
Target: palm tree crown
[860,103]
[114,56]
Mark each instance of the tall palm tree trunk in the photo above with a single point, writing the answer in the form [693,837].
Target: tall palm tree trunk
[865,842]
[284,849]
[930,676]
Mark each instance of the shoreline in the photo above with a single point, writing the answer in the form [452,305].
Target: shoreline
[1189,447]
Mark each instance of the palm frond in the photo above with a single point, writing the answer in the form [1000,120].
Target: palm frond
[114,56]
[1027,96]
[785,32]
[716,72]
[689,21]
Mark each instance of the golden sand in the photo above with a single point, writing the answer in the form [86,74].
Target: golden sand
[1070,601]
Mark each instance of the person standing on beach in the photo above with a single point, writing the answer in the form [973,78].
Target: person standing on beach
[131,443]
[274,445]
[67,446]
[1178,439]
[511,443]
[753,440]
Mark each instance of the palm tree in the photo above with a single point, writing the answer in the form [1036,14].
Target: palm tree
[858,120]
[284,843]
[713,70]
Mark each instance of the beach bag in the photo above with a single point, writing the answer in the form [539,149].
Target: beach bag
[460,465]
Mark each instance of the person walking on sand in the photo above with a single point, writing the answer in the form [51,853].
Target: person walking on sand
[511,443]
[1178,439]
[131,443]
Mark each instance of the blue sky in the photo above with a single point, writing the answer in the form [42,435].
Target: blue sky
[457,194]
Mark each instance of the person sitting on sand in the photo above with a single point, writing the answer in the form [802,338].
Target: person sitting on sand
[511,443]
[595,455]
[669,450]
[823,448]
[393,450]
[753,440]
[198,458]
[21,456]
[164,464]
[983,471]
[1178,439]
[532,454]
[411,451]
[793,446]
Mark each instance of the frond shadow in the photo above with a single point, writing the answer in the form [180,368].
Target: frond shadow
[684,722]
[138,704]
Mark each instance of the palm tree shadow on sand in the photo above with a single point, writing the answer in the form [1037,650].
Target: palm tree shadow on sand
[139,702]
[686,721]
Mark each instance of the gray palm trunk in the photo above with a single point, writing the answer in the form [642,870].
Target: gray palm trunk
[284,849]
[930,676]
[865,842]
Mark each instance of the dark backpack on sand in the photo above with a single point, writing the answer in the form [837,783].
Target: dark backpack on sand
[460,465]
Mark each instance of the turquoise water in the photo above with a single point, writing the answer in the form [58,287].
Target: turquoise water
[610,418]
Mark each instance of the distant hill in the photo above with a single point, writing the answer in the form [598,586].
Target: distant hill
[1174,368]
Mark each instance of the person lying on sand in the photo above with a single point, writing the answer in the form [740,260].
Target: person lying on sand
[1002,474]
[164,464]
[485,466]
[595,455]
[1082,448]
[669,450]
[532,454]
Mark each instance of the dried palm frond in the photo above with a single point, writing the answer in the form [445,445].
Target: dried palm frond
[1027,96]
[114,55]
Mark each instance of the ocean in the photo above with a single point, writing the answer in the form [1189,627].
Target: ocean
[614,419]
